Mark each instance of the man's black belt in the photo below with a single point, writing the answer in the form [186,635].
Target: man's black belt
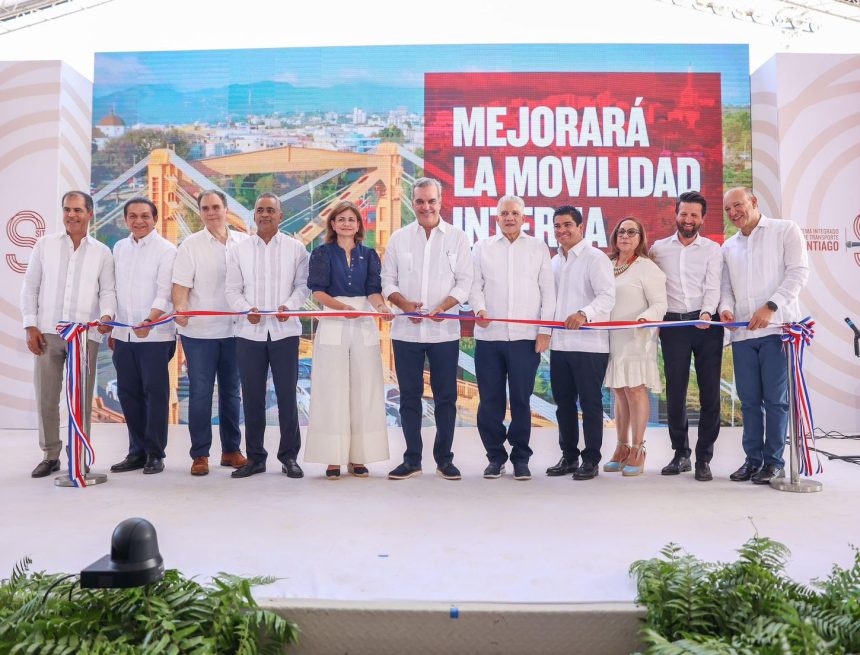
[689,316]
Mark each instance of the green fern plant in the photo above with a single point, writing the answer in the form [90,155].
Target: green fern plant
[747,607]
[51,615]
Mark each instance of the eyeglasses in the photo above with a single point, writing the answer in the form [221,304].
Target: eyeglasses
[345,219]
[631,232]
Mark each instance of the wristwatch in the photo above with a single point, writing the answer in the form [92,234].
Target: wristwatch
[582,313]
[771,305]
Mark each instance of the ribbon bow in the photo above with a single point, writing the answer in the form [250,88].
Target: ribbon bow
[795,337]
[81,453]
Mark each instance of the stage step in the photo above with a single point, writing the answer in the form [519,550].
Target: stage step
[381,628]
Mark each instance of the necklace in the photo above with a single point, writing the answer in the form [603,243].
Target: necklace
[618,270]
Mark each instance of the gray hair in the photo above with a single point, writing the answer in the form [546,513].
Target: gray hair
[270,195]
[212,192]
[427,181]
[509,198]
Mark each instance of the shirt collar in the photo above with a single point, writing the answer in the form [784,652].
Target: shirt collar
[149,238]
[442,226]
[694,242]
[274,239]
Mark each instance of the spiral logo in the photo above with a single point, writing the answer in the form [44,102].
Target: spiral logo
[857,236]
[13,228]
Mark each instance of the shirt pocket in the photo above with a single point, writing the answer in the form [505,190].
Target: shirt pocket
[404,262]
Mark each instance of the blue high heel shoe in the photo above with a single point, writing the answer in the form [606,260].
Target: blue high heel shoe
[615,465]
[628,470]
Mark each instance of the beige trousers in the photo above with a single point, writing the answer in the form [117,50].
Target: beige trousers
[347,416]
[48,375]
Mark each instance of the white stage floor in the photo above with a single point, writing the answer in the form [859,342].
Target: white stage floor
[549,540]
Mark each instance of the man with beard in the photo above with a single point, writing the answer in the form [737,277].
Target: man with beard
[693,266]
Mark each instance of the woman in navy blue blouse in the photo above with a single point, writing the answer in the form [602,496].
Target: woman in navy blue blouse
[347,418]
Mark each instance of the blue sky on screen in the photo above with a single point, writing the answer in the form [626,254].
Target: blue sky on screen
[404,66]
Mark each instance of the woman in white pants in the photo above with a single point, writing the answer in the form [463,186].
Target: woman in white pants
[347,418]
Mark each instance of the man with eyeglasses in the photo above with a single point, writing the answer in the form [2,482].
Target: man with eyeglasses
[693,265]
[585,292]
[427,270]
[513,279]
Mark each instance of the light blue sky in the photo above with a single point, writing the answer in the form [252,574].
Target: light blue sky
[405,65]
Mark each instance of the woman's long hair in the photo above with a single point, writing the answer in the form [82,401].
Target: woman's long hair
[641,249]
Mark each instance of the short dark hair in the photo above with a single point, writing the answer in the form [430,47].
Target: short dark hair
[568,210]
[692,196]
[87,198]
[210,192]
[140,200]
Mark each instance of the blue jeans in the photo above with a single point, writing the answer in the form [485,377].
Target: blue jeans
[208,359]
[762,383]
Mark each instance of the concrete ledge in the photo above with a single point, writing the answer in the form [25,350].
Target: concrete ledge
[381,628]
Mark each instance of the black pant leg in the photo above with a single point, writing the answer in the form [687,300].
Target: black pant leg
[565,394]
[492,373]
[253,360]
[284,359]
[129,387]
[589,370]
[523,363]
[708,358]
[443,358]
[409,366]
[155,376]
[677,352]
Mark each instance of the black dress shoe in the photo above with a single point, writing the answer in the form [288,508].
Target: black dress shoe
[767,473]
[678,465]
[587,471]
[494,471]
[744,473]
[45,468]
[703,472]
[153,465]
[565,466]
[292,469]
[251,468]
[129,464]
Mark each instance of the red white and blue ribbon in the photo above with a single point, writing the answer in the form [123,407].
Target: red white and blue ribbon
[81,453]
[606,325]
[795,337]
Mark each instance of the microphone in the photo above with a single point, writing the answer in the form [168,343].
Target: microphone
[856,336]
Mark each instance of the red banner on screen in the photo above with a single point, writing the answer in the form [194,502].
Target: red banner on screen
[611,144]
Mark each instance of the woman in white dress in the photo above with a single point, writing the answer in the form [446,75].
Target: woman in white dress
[640,295]
[347,417]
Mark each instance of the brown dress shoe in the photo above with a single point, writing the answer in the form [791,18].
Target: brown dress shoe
[200,466]
[235,459]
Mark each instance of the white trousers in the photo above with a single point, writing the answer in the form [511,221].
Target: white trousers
[347,417]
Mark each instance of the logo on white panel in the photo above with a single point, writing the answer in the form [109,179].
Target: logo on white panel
[14,228]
